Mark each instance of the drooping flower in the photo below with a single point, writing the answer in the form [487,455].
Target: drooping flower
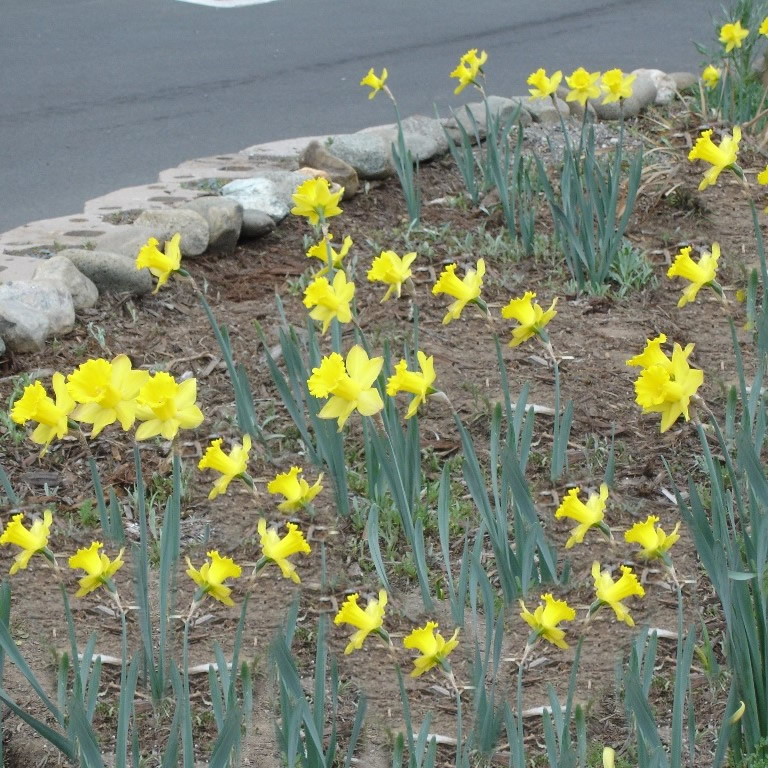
[719,158]
[51,416]
[98,567]
[432,645]
[370,619]
[699,275]
[530,315]
[106,392]
[611,593]
[297,491]
[320,251]
[166,406]
[543,86]
[31,540]
[763,29]
[315,200]
[616,85]
[330,300]
[161,264]
[232,465]
[417,383]
[392,270]
[589,515]
[212,575]
[652,354]
[350,386]
[469,67]
[653,541]
[376,83]
[277,550]
[544,620]
[732,35]
[710,76]
[583,86]
[464,291]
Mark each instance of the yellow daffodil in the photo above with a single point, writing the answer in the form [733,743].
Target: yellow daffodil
[320,251]
[609,757]
[106,391]
[583,86]
[653,541]
[330,301]
[611,593]
[469,67]
[370,619]
[668,388]
[161,265]
[315,200]
[544,620]
[277,550]
[166,406]
[464,291]
[349,385]
[763,29]
[530,315]
[589,515]
[616,85]
[652,354]
[31,540]
[51,416]
[732,35]
[376,83]
[211,577]
[390,269]
[418,384]
[230,466]
[297,491]
[762,177]
[433,647]
[699,275]
[98,567]
[710,76]
[719,158]
[543,86]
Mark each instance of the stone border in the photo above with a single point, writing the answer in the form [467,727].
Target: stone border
[49,269]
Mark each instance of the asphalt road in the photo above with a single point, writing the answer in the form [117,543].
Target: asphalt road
[101,94]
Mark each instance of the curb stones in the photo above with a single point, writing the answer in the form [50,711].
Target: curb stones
[110,271]
[193,228]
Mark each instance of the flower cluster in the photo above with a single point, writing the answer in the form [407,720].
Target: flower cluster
[614,85]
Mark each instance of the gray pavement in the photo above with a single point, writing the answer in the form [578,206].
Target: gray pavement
[99,95]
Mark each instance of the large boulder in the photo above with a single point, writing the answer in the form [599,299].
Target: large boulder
[269,191]
[643,95]
[59,270]
[225,221]
[32,312]
[368,153]
[256,223]
[666,88]
[166,223]
[424,136]
[111,271]
[474,114]
[316,155]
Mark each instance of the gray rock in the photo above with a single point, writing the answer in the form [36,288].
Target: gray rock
[225,221]
[643,95]
[368,153]
[192,226]
[32,312]
[544,111]
[684,80]
[2,346]
[256,223]
[128,240]
[59,270]
[499,106]
[664,84]
[424,136]
[111,271]
[269,192]
[316,155]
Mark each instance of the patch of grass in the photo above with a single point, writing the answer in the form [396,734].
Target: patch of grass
[631,271]
[86,512]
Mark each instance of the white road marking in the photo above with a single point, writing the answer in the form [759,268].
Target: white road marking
[226,3]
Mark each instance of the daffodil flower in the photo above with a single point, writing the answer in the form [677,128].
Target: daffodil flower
[322,250]
[277,550]
[329,301]
[390,269]
[106,392]
[699,275]
[589,515]
[531,317]
[654,543]
[465,291]
[732,35]
[417,383]
[611,593]
[544,620]
[374,82]
[652,354]
[432,646]
[349,385]
[166,406]
[212,575]
[710,76]
[230,466]
[543,86]
[161,265]
[616,85]
[298,493]
[98,567]
[365,621]
[32,540]
[314,200]
[719,157]
[763,28]
[469,68]
[583,86]
[52,417]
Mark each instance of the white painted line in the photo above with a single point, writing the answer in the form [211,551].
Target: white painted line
[226,3]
